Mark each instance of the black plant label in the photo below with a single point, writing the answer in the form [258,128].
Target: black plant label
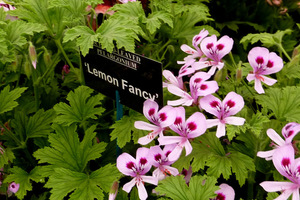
[135,77]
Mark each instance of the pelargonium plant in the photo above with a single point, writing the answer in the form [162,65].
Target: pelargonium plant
[230,84]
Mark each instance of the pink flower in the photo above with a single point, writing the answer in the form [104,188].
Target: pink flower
[126,1]
[161,161]
[13,187]
[215,50]
[113,191]
[160,119]
[286,164]
[225,192]
[194,53]
[263,63]
[188,129]
[136,168]
[173,80]
[8,7]
[288,131]
[199,86]
[231,105]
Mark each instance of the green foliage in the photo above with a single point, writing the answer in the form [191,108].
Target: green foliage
[6,156]
[156,19]
[124,128]
[267,39]
[82,185]
[8,98]
[273,100]
[67,151]
[200,187]
[23,178]
[38,125]
[68,158]
[82,106]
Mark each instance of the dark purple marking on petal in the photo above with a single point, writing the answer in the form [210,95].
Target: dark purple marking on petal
[178,121]
[197,38]
[167,153]
[285,162]
[220,47]
[289,133]
[157,157]
[130,165]
[288,126]
[163,116]
[143,161]
[214,104]
[197,80]
[259,60]
[270,64]
[221,196]
[151,111]
[203,87]
[230,103]
[209,45]
[192,126]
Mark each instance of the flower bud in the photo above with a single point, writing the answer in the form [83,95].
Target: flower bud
[113,190]
[27,68]
[47,57]
[239,74]
[32,55]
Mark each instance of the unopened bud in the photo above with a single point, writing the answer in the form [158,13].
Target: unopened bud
[27,68]
[32,55]
[47,57]
[239,74]
[220,75]
[114,190]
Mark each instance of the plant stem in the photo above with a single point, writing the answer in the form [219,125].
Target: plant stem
[58,44]
[82,80]
[284,52]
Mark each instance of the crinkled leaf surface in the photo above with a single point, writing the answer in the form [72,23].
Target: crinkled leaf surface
[23,178]
[18,28]
[123,128]
[84,36]
[38,125]
[8,98]
[156,19]
[273,100]
[6,157]
[82,106]
[267,39]
[200,187]
[67,151]
[82,185]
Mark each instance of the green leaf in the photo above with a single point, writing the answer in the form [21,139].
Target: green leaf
[156,19]
[200,187]
[122,130]
[85,38]
[82,107]
[82,185]
[16,30]
[273,100]
[38,125]
[6,156]
[267,39]
[67,151]
[8,98]
[23,178]
[124,34]
[256,123]
[3,43]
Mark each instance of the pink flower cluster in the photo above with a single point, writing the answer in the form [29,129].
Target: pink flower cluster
[199,91]
[283,157]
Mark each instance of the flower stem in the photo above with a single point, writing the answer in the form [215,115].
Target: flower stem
[283,51]
[58,44]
